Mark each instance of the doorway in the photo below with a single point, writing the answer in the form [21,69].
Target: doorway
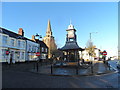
[11,57]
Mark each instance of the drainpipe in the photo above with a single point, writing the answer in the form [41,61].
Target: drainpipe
[26,51]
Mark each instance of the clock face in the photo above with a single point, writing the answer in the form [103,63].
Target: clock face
[70,34]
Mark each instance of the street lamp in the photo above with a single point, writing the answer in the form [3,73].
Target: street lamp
[37,37]
[91,34]
[92,63]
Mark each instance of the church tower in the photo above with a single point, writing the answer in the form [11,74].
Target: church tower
[49,40]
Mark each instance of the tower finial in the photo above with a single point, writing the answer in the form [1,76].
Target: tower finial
[70,21]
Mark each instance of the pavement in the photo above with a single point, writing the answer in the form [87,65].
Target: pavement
[98,68]
[45,68]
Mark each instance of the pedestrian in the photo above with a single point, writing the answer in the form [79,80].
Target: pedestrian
[10,60]
[83,61]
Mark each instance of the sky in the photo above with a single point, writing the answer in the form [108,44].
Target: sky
[87,17]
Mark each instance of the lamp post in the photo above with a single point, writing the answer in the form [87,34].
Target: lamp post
[92,63]
[37,37]
[91,34]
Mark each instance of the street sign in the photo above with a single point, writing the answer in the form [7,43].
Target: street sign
[7,52]
[37,53]
[104,53]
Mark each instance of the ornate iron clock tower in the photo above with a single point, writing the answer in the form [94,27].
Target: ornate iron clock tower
[71,48]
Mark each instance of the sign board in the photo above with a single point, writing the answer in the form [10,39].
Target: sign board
[37,53]
[104,53]
[7,52]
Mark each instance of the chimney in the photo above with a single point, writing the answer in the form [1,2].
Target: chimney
[33,37]
[21,32]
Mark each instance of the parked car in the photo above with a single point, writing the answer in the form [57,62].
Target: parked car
[118,64]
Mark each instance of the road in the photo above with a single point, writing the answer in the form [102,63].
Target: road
[20,78]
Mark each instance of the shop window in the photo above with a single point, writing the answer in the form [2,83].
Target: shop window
[37,49]
[23,55]
[3,53]
[18,54]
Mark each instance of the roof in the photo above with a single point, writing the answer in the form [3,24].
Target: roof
[13,34]
[10,33]
[42,44]
[71,46]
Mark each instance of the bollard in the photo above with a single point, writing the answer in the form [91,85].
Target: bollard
[37,66]
[109,66]
[33,65]
[51,70]
[76,70]
[92,69]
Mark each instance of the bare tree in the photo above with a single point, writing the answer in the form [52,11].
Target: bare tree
[91,49]
[56,53]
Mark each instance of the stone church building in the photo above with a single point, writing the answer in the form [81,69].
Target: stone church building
[49,40]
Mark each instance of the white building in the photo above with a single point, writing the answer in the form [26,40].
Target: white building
[97,52]
[85,55]
[20,48]
[31,49]
[14,43]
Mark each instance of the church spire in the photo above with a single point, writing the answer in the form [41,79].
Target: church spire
[49,40]
[49,31]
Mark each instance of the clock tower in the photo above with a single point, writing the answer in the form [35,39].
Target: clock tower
[71,48]
[71,34]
